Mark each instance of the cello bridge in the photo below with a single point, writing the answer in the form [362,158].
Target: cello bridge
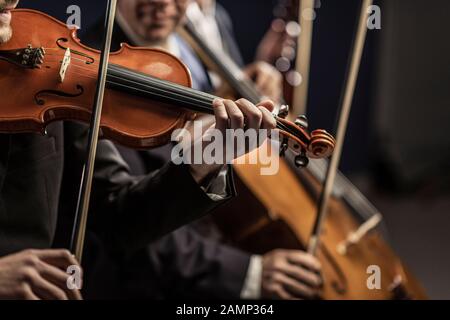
[355,237]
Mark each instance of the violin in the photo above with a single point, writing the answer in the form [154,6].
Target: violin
[147,94]
[351,240]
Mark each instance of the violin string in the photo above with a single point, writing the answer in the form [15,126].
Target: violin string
[92,74]
[71,66]
[168,84]
[155,88]
[185,94]
[73,58]
[169,87]
[164,94]
[203,99]
[84,66]
[183,90]
[250,91]
[93,77]
[180,88]
[208,100]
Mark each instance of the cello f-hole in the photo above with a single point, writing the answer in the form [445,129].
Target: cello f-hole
[339,287]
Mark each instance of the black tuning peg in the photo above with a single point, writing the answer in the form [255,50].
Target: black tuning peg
[302,121]
[301,161]
[283,148]
[284,111]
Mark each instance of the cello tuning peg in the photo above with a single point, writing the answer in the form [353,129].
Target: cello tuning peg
[301,161]
[284,111]
[302,121]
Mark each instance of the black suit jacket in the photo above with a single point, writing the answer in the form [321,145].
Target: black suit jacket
[39,177]
[227,32]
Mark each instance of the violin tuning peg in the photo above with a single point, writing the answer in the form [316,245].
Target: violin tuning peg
[301,161]
[283,148]
[302,122]
[284,111]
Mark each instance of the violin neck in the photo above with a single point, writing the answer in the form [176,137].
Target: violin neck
[142,85]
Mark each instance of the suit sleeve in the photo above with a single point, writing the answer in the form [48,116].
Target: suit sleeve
[138,210]
[185,264]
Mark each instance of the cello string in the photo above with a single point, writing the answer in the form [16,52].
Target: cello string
[344,188]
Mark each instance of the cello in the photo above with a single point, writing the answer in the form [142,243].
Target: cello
[281,212]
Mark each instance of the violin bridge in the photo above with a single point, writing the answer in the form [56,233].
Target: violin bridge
[64,65]
[354,237]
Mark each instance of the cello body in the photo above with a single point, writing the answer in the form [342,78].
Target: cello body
[280,212]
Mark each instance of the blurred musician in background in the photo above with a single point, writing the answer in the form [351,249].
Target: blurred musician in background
[192,262]
[214,24]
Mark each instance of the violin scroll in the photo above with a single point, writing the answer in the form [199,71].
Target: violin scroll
[295,137]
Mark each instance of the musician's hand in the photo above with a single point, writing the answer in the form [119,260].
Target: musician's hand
[290,274]
[37,275]
[240,114]
[268,79]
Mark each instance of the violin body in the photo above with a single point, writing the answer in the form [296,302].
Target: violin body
[280,213]
[147,94]
[37,97]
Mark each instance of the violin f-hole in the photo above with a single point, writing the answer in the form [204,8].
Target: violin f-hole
[40,101]
[63,40]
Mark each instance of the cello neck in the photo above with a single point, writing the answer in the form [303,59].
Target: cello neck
[221,63]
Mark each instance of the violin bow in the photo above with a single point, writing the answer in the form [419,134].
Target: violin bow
[81,215]
[302,67]
[347,100]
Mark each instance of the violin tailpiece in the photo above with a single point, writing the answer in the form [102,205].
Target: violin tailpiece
[29,57]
